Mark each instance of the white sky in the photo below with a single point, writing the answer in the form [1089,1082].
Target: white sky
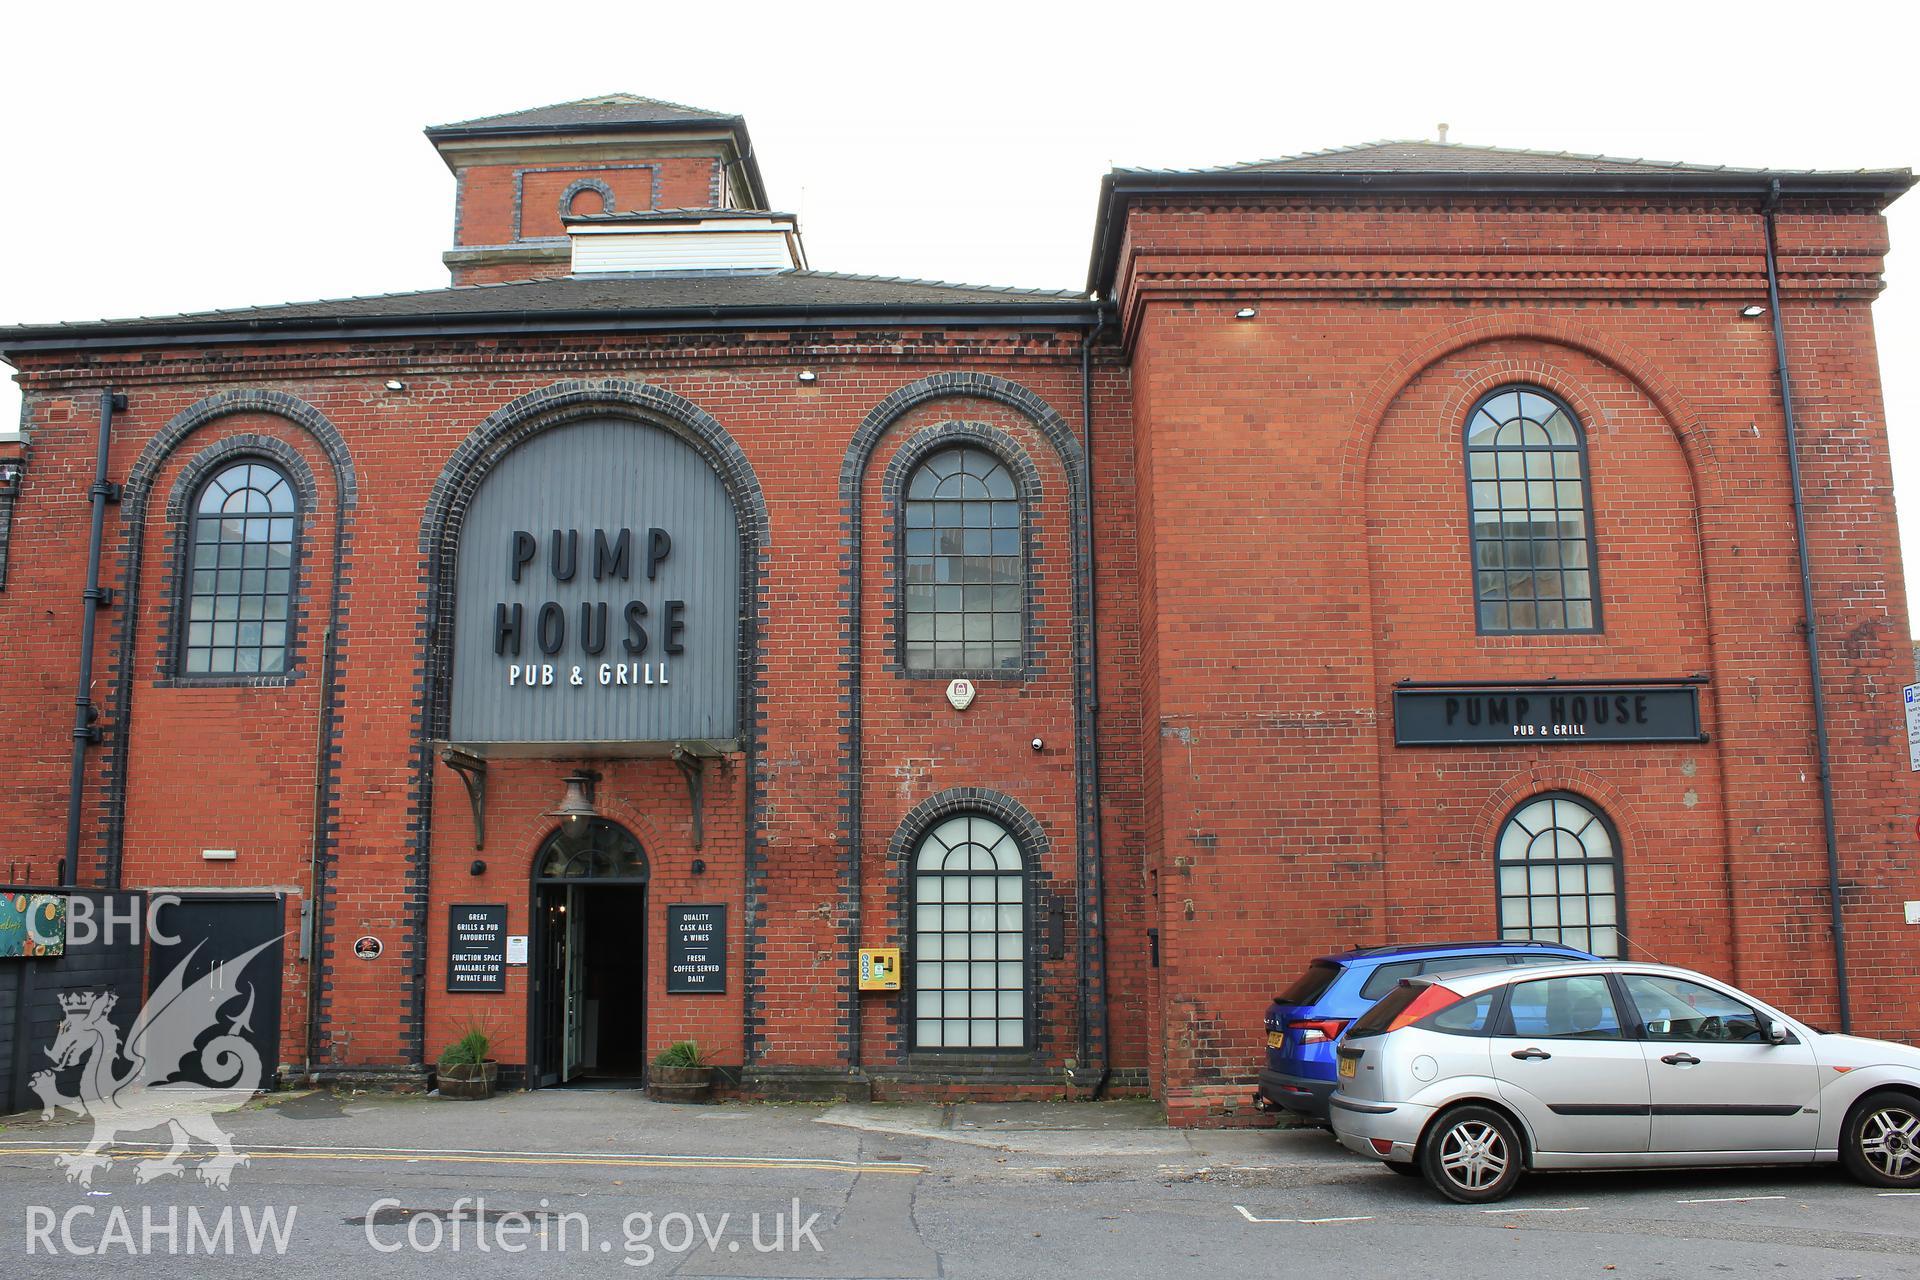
[162,158]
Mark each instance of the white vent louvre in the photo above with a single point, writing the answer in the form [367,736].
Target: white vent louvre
[708,244]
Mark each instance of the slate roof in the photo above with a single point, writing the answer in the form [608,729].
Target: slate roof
[580,303]
[607,111]
[1456,157]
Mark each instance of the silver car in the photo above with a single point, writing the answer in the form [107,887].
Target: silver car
[1474,1079]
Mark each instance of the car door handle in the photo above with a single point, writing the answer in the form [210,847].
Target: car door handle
[1540,1054]
[1681,1060]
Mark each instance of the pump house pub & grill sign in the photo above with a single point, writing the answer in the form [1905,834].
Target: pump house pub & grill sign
[1460,715]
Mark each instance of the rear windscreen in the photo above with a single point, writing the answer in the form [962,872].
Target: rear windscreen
[1378,1018]
[1311,985]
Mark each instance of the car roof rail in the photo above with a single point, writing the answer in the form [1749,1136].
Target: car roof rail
[1409,947]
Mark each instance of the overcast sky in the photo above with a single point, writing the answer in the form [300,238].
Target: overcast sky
[171,158]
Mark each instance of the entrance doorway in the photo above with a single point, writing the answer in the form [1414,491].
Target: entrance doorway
[589,988]
[204,933]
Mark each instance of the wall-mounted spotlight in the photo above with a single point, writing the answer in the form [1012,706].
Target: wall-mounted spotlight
[699,866]
[808,375]
[1753,311]
[394,384]
[1246,313]
[1039,745]
[478,867]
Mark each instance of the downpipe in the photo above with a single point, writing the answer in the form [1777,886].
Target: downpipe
[85,731]
[1812,626]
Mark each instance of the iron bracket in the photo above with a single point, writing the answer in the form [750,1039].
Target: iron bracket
[694,769]
[473,771]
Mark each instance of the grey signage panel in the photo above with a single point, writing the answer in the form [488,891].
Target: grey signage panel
[696,949]
[598,593]
[1529,715]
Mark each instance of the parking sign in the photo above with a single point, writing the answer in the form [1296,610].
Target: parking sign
[1913,727]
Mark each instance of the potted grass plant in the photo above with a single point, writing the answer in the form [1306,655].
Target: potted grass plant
[465,1070]
[680,1073]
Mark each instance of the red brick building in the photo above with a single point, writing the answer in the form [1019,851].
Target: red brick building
[1394,543]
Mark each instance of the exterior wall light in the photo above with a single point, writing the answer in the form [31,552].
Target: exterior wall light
[1246,313]
[1753,311]
[576,806]
[808,375]
[478,868]
[394,384]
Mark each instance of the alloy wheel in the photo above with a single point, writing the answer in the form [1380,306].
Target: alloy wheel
[1890,1141]
[1474,1155]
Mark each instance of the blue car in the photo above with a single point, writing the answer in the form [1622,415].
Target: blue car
[1305,1020]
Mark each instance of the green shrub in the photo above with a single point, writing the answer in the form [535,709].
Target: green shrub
[681,1053]
[470,1050]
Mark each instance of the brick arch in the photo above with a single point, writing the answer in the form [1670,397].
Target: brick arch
[1072,458]
[136,495]
[441,524]
[1607,800]
[1674,407]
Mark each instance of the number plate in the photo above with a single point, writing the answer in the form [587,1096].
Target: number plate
[1349,1066]
[1276,1039]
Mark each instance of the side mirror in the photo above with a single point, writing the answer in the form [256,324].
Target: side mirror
[1775,1032]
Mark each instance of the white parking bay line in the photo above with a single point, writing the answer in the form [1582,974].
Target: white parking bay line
[1301,1222]
[1900,1193]
[1729,1199]
[1572,1208]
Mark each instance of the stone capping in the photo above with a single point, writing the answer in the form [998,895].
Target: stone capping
[893,493]
[441,522]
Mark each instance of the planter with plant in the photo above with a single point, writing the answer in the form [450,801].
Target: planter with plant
[680,1074]
[465,1070]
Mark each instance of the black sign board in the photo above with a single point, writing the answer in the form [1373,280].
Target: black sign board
[1530,715]
[696,949]
[477,948]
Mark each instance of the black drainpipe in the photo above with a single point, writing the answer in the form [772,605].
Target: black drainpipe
[84,730]
[1812,625]
[1091,885]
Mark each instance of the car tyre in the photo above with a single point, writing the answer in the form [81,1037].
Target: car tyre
[1881,1143]
[1472,1155]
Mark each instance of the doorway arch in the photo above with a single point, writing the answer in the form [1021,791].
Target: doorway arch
[587,995]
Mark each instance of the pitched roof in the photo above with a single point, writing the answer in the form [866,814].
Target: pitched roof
[1399,156]
[607,111]
[1455,169]
[792,299]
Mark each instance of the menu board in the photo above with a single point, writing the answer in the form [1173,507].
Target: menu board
[477,948]
[696,949]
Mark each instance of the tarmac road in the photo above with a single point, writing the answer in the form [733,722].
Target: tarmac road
[528,1184]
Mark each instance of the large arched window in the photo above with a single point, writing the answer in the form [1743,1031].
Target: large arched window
[969,937]
[964,565]
[1532,518]
[1559,868]
[240,574]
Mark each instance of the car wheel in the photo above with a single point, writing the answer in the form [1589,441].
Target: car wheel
[1881,1145]
[1472,1155]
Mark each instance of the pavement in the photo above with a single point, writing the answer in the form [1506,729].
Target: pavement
[530,1183]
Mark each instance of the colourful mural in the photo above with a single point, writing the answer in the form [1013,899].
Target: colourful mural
[32,924]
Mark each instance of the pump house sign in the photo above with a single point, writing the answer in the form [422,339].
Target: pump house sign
[598,593]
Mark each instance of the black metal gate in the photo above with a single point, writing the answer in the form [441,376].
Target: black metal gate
[202,932]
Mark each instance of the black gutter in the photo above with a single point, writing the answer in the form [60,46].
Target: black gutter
[106,337]
[84,732]
[1812,625]
[1876,187]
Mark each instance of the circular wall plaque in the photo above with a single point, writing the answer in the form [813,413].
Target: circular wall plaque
[367,948]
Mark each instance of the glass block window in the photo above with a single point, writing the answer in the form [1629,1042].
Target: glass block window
[240,574]
[1559,868]
[969,938]
[1532,517]
[964,565]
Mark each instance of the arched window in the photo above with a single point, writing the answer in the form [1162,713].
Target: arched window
[240,574]
[1533,553]
[598,850]
[969,938]
[964,565]
[1559,868]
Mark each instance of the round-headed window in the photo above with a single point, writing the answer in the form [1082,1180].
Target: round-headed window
[1532,518]
[240,574]
[964,565]
[1559,869]
[969,937]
